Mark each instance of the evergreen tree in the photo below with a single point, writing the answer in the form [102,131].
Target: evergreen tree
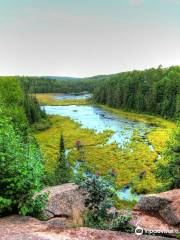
[62,173]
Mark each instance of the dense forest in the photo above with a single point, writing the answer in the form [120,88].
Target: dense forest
[155,91]
[59,85]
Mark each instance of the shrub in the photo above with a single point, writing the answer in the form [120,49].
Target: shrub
[169,172]
[98,200]
[21,170]
[121,223]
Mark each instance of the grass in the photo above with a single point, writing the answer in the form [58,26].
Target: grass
[128,163]
[49,99]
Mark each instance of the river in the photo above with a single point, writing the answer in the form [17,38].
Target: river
[93,117]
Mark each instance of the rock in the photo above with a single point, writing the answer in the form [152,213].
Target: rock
[152,222]
[160,212]
[171,195]
[155,202]
[65,201]
[166,205]
[151,202]
[27,228]
[171,213]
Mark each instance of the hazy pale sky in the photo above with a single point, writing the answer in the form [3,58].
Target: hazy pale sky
[87,37]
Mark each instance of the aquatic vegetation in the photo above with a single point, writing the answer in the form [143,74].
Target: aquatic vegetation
[146,118]
[158,137]
[50,99]
[129,163]
[161,128]
[49,139]
[134,164]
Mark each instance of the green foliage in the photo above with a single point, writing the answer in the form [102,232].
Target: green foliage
[21,163]
[100,195]
[62,146]
[121,223]
[169,171]
[124,204]
[5,204]
[154,91]
[98,200]
[48,85]
[11,102]
[21,169]
[32,109]
[34,206]
[41,125]
[62,172]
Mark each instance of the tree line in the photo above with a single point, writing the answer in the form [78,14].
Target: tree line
[155,91]
[49,85]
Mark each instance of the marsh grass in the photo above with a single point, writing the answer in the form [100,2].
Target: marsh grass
[49,139]
[135,164]
[50,100]
[161,128]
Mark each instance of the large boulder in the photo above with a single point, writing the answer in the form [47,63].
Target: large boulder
[65,201]
[27,228]
[158,212]
[166,205]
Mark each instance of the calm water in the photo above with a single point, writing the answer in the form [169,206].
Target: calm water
[95,118]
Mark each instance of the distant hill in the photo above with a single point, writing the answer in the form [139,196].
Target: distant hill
[61,78]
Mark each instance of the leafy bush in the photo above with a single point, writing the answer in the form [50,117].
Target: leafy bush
[100,195]
[121,223]
[21,170]
[42,125]
[4,204]
[169,172]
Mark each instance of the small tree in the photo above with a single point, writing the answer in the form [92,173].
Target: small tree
[62,173]
[98,200]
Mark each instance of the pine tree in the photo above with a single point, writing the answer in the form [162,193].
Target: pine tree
[62,173]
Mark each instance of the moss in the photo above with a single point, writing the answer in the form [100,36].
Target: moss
[49,99]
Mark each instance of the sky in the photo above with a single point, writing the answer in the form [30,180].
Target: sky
[87,37]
